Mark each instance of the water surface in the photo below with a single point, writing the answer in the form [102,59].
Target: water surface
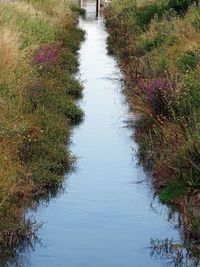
[104,218]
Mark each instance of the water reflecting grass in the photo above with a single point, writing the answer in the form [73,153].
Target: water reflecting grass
[184,254]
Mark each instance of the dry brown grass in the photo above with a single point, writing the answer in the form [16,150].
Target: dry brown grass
[9,54]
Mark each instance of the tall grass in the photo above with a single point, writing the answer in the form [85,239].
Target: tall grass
[158,47]
[38,93]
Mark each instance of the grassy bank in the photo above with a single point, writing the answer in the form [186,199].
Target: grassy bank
[158,47]
[38,94]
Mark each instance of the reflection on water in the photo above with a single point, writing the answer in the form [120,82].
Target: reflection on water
[103,217]
[16,256]
[175,254]
[183,253]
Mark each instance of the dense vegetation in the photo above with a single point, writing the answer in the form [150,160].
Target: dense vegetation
[158,47]
[38,93]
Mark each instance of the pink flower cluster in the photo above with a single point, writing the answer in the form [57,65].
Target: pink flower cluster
[150,86]
[47,55]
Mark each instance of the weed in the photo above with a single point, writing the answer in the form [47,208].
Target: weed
[157,45]
[38,92]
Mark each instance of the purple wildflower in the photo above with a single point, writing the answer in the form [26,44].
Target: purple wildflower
[47,55]
[150,86]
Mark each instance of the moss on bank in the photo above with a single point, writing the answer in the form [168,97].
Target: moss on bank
[38,93]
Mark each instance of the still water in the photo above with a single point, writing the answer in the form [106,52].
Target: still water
[104,217]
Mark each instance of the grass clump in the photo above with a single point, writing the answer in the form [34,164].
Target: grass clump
[38,92]
[187,61]
[172,191]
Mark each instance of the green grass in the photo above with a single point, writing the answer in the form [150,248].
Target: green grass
[157,45]
[38,95]
[173,191]
[34,29]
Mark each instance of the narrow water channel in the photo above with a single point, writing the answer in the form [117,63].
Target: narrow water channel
[104,217]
